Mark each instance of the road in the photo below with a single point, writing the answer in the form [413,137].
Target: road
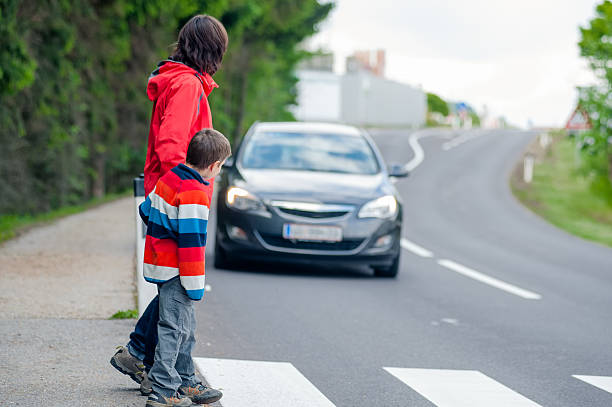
[492,307]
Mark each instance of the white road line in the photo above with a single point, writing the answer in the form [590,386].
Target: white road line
[250,383]
[603,382]
[457,141]
[419,154]
[460,388]
[493,282]
[415,248]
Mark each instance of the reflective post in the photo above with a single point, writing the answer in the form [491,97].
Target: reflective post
[528,168]
[146,291]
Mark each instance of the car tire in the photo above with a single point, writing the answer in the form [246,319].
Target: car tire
[388,272]
[221,260]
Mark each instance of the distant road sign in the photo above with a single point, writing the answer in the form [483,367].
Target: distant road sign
[579,120]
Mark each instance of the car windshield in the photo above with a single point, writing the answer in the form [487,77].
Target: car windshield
[310,152]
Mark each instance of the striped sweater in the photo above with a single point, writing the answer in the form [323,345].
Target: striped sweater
[176,214]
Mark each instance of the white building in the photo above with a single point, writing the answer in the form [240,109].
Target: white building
[359,98]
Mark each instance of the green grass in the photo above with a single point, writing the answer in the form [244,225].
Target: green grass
[127,314]
[12,225]
[558,193]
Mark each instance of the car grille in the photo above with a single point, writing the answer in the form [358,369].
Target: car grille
[314,215]
[281,242]
[312,210]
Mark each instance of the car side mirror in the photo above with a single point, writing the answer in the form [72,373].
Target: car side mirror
[398,171]
[229,163]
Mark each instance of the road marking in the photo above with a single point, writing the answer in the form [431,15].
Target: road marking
[493,282]
[457,141]
[419,154]
[248,383]
[415,248]
[460,388]
[603,382]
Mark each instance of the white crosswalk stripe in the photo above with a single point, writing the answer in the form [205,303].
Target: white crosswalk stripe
[246,383]
[460,388]
[603,382]
[279,384]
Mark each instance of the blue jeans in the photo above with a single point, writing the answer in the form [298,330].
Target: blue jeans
[144,338]
[173,366]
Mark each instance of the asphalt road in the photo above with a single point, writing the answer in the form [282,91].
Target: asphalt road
[485,285]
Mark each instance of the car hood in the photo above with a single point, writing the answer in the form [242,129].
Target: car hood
[306,186]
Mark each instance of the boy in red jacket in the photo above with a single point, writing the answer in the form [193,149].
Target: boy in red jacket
[179,89]
[176,215]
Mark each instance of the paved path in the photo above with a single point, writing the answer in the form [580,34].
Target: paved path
[58,285]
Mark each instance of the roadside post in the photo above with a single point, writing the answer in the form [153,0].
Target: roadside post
[146,291]
[528,168]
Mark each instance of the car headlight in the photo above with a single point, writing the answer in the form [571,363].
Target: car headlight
[243,200]
[383,207]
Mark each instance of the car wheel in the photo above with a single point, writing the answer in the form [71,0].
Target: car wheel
[388,272]
[221,260]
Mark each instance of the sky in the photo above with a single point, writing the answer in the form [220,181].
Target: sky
[519,58]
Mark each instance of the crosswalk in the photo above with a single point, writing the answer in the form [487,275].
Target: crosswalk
[460,388]
[245,382]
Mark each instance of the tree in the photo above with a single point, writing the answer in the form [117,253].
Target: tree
[73,108]
[596,46]
[436,104]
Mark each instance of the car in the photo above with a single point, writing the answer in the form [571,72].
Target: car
[311,193]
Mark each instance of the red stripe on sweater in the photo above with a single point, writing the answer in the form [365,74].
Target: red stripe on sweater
[191,268]
[191,253]
[194,197]
[161,252]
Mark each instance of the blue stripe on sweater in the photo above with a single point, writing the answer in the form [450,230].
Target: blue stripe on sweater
[192,225]
[161,219]
[191,240]
[144,209]
[159,232]
[195,294]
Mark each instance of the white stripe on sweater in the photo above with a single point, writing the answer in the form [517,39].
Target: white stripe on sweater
[193,211]
[160,273]
[193,282]
[164,207]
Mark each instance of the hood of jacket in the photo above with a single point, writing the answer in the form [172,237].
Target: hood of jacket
[168,71]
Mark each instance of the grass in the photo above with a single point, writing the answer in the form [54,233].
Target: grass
[127,314]
[578,204]
[13,225]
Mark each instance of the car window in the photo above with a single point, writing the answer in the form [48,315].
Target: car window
[310,152]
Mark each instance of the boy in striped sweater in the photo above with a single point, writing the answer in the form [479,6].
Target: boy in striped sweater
[176,215]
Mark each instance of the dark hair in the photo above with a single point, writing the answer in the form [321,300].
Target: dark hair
[206,147]
[201,44]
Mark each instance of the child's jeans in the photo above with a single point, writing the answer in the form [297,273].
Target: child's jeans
[173,366]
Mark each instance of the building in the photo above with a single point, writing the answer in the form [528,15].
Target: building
[370,61]
[362,96]
[370,100]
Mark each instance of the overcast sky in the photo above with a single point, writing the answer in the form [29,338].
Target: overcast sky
[518,57]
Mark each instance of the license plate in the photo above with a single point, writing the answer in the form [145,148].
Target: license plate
[312,233]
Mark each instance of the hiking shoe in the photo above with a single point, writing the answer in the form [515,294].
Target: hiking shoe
[145,385]
[157,400]
[127,364]
[201,394]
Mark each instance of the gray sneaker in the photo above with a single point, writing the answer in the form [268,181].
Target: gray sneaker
[201,394]
[127,364]
[145,385]
[157,400]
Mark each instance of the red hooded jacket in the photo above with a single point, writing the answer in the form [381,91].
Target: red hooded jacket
[180,109]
